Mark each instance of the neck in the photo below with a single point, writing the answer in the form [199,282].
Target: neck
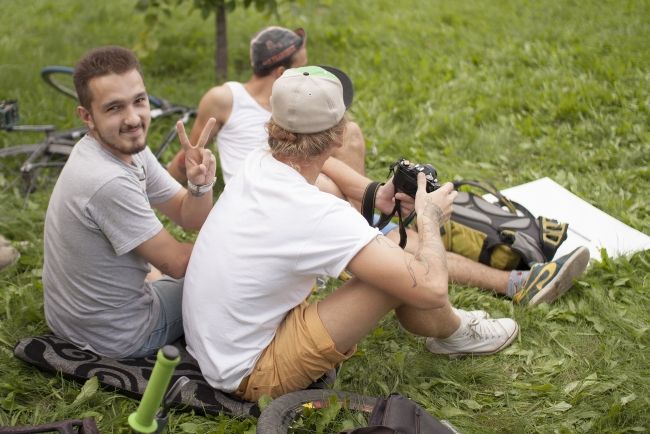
[260,89]
[308,169]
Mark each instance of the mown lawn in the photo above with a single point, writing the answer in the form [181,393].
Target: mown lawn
[506,91]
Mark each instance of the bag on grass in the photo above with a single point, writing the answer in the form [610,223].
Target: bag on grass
[503,235]
[400,415]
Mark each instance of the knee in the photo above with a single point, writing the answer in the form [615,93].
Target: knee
[353,140]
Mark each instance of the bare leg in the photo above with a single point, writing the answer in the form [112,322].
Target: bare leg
[354,309]
[463,270]
[353,151]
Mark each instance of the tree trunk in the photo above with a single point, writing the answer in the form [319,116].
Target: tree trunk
[221,39]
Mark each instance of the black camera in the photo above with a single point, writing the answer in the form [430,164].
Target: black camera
[8,114]
[405,176]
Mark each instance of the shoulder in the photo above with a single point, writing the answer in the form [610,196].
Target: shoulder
[217,102]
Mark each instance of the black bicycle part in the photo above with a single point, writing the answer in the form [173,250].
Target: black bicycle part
[282,411]
[60,78]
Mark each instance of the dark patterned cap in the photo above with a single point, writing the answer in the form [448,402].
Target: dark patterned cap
[273,45]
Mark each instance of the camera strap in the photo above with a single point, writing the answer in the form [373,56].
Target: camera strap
[368,209]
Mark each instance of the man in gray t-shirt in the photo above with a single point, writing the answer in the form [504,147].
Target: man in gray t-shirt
[101,232]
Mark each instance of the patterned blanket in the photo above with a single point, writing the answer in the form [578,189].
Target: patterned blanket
[129,376]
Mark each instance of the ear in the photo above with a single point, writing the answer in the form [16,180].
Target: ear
[277,72]
[86,117]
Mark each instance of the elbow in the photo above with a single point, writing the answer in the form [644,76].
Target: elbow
[177,273]
[178,268]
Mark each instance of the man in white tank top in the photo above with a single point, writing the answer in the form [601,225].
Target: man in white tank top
[242,109]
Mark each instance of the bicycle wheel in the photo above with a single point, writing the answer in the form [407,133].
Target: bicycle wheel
[25,168]
[283,411]
[60,78]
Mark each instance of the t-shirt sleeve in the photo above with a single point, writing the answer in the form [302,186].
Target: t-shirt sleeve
[341,233]
[122,212]
[161,186]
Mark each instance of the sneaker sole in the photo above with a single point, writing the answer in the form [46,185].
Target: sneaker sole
[574,267]
[507,343]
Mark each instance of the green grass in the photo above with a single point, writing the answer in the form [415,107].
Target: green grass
[507,91]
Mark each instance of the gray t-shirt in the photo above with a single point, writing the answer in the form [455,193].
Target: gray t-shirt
[94,283]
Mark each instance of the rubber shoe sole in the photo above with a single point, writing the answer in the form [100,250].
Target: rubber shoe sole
[573,267]
[435,348]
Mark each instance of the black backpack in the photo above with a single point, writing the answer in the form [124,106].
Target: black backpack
[400,415]
[503,235]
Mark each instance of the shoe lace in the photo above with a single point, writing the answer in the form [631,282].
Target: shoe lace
[483,329]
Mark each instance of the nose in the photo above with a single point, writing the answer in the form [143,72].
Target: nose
[131,116]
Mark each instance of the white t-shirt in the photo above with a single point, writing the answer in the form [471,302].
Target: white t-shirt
[243,131]
[268,237]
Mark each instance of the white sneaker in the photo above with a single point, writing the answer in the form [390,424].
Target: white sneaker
[470,314]
[477,337]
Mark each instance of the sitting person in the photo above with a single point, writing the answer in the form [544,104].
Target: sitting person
[242,109]
[245,316]
[101,232]
[543,283]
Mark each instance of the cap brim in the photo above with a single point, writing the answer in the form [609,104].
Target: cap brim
[348,88]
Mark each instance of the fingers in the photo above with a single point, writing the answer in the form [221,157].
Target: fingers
[182,136]
[202,170]
[205,133]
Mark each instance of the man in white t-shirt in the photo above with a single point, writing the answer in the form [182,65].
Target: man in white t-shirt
[270,235]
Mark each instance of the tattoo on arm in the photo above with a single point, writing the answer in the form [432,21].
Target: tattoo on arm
[382,240]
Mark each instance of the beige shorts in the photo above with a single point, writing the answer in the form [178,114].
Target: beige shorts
[299,354]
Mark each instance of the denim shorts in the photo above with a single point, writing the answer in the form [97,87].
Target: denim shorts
[386,229]
[170,322]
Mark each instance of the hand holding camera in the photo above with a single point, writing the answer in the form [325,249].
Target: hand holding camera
[407,180]
[406,173]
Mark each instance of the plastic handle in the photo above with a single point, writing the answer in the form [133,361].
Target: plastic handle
[143,419]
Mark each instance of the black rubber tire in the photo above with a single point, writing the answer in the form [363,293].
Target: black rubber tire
[44,173]
[60,78]
[278,416]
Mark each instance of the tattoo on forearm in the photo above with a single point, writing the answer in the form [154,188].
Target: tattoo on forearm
[430,249]
[381,239]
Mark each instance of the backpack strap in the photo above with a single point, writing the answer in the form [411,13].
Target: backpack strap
[490,188]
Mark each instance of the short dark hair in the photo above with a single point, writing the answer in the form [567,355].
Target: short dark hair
[99,62]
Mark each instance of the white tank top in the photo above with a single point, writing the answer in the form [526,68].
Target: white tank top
[243,131]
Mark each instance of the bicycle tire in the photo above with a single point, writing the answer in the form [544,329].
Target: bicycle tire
[15,174]
[60,78]
[282,411]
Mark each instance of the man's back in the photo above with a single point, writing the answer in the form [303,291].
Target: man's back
[256,258]
[242,132]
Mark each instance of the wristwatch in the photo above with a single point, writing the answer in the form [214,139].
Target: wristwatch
[200,190]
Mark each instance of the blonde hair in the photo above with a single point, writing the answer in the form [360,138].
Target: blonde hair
[300,147]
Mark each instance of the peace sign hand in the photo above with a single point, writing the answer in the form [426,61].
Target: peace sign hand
[200,163]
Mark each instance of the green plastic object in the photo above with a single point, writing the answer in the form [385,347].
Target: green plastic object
[143,420]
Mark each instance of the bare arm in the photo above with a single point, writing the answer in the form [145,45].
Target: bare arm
[166,254]
[353,185]
[419,279]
